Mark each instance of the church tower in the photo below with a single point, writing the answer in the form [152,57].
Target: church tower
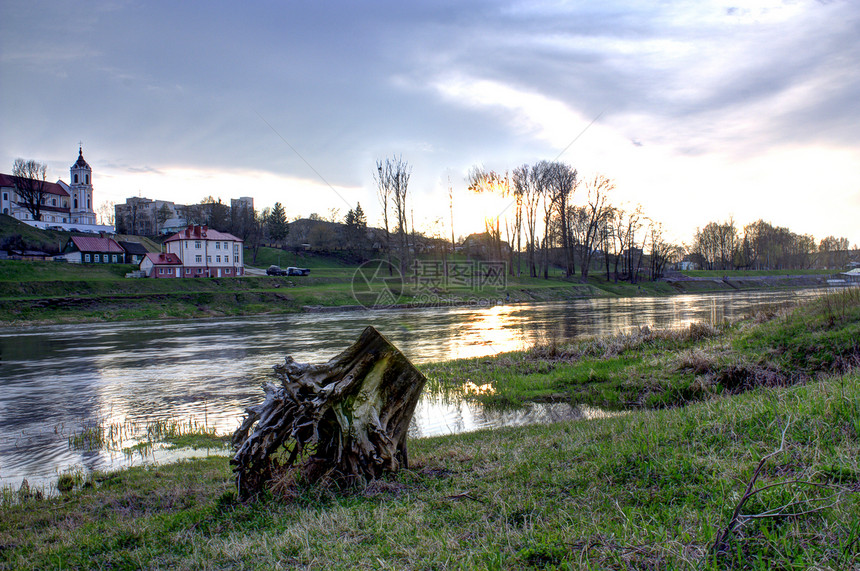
[81,192]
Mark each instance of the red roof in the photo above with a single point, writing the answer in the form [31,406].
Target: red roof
[50,187]
[163,259]
[202,233]
[97,244]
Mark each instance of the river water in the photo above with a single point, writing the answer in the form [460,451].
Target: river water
[56,379]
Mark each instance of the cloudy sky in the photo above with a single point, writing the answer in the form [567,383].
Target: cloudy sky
[698,110]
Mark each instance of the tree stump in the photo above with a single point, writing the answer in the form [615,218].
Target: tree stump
[346,419]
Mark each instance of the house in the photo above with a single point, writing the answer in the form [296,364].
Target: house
[484,247]
[93,250]
[852,276]
[61,204]
[161,265]
[28,255]
[134,252]
[207,253]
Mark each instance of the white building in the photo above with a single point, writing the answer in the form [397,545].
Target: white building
[63,205]
[207,253]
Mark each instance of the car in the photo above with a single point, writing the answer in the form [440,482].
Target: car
[291,271]
[276,271]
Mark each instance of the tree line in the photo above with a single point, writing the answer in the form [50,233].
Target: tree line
[542,227]
[763,246]
[539,229]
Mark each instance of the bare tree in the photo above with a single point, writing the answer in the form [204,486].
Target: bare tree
[383,192]
[163,215]
[833,252]
[594,216]
[625,224]
[661,251]
[451,207]
[490,182]
[392,180]
[30,185]
[106,213]
[563,183]
[542,177]
[526,187]
[717,244]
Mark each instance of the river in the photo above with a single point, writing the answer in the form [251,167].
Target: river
[56,379]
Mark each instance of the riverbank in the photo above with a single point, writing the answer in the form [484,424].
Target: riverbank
[48,292]
[646,489]
[655,369]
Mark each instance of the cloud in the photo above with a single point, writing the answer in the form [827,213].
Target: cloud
[183,86]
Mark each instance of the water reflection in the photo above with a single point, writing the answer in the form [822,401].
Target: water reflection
[54,379]
[435,416]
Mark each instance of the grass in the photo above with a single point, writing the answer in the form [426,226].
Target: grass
[130,436]
[51,292]
[755,476]
[751,273]
[648,490]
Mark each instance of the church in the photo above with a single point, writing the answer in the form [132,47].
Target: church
[63,205]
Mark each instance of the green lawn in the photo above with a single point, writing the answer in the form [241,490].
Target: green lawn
[745,273]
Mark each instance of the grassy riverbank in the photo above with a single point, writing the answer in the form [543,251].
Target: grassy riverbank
[644,490]
[647,489]
[50,292]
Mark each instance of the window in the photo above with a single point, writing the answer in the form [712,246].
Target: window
[76,202]
[88,178]
[208,259]
[76,179]
[197,244]
[96,258]
[218,259]
[227,271]
[114,259]
[86,257]
[226,259]
[187,271]
[53,202]
[226,246]
[186,245]
[217,245]
[5,196]
[161,271]
[198,258]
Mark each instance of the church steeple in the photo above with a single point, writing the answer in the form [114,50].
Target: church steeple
[81,163]
[81,172]
[81,190]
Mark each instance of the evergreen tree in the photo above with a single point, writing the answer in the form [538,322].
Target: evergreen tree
[276,223]
[356,229]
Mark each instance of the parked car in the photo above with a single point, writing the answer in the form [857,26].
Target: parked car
[276,271]
[291,271]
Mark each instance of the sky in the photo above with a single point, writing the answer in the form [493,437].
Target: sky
[698,110]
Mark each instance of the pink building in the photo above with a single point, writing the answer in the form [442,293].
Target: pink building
[207,253]
[161,265]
